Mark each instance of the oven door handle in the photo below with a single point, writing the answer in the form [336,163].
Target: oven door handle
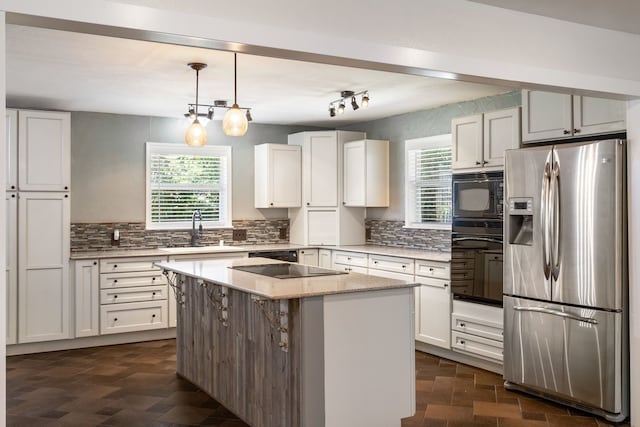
[476,239]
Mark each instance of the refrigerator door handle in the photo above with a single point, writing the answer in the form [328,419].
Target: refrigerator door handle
[556,313]
[544,215]
[555,225]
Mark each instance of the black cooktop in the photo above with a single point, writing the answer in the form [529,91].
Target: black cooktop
[286,271]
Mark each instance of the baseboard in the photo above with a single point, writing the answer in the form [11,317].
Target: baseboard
[111,339]
[460,357]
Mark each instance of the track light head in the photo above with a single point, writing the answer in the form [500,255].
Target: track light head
[341,107]
[191,114]
[249,118]
[354,104]
[365,100]
[332,111]
[210,113]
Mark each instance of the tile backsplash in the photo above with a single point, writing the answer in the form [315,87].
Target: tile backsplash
[393,233]
[133,235]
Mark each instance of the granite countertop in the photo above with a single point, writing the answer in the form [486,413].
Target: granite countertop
[218,272]
[422,254]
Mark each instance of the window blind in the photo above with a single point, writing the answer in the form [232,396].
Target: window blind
[429,172]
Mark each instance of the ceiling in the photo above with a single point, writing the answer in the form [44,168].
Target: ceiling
[49,69]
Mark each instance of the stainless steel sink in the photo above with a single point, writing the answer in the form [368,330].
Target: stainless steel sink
[202,249]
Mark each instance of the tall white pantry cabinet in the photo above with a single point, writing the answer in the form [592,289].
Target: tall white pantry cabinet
[38,209]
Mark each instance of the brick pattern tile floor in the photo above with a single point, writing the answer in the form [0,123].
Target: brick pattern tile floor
[135,385]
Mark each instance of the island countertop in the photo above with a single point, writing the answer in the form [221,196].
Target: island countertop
[220,273]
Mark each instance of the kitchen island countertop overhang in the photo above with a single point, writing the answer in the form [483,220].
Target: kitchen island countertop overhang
[220,272]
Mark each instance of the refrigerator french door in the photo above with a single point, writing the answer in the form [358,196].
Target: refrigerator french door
[565,279]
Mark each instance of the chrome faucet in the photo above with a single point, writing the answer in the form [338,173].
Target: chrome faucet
[195,235]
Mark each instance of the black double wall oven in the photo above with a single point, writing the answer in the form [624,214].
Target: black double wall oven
[476,237]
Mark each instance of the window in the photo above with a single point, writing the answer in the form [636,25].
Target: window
[428,182]
[182,178]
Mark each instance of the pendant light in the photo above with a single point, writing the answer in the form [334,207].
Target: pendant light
[235,121]
[196,135]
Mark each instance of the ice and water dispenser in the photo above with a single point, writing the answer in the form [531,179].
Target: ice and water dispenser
[520,221]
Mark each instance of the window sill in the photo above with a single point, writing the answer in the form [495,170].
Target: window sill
[446,227]
[188,228]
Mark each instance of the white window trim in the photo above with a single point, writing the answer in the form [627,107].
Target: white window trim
[444,140]
[212,150]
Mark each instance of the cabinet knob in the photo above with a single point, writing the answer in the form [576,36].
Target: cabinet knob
[115,319]
[66,187]
[462,342]
[13,196]
[566,132]
[153,294]
[13,187]
[95,262]
[484,162]
[153,315]
[115,281]
[153,279]
[576,131]
[462,325]
[446,285]
[478,163]
[308,203]
[404,266]
[430,268]
[66,195]
[115,265]
[271,204]
[115,296]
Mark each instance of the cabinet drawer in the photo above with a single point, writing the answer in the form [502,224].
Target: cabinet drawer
[464,287]
[351,268]
[462,264]
[477,346]
[145,293]
[390,274]
[133,316]
[350,258]
[395,264]
[129,264]
[438,270]
[478,327]
[458,255]
[434,283]
[132,279]
[461,275]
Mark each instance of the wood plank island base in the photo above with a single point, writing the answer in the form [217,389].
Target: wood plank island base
[335,350]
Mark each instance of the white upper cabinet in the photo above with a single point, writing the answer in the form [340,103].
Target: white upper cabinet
[319,167]
[11,120]
[548,116]
[277,176]
[366,173]
[598,115]
[479,141]
[466,134]
[43,266]
[44,150]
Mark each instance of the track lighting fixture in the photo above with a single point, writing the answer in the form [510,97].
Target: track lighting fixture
[345,96]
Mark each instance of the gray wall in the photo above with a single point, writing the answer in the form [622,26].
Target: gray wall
[108,163]
[420,124]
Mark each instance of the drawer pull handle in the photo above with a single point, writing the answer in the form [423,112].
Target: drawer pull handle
[95,262]
[404,266]
[115,280]
[375,262]
[153,279]
[115,296]
[115,319]
[462,325]
[153,315]
[115,265]
[462,342]
[153,294]
[430,268]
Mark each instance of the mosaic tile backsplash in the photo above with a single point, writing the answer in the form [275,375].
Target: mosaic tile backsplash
[392,233]
[133,235]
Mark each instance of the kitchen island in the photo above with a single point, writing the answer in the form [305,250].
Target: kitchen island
[327,350]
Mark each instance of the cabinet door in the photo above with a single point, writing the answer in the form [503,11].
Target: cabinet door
[12,268]
[11,123]
[545,115]
[354,173]
[308,257]
[43,266]
[43,151]
[284,175]
[87,302]
[598,115]
[320,169]
[324,258]
[501,132]
[322,227]
[466,134]
[433,312]
[493,275]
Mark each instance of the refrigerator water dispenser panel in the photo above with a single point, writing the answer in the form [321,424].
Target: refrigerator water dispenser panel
[521,221]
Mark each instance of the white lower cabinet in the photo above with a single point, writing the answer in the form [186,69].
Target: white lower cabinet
[477,330]
[324,258]
[134,295]
[87,301]
[133,316]
[350,261]
[11,271]
[308,257]
[433,303]
[43,267]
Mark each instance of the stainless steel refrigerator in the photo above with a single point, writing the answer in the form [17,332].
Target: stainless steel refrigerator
[565,275]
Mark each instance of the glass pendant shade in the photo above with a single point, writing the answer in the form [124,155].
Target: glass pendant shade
[235,122]
[196,135]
